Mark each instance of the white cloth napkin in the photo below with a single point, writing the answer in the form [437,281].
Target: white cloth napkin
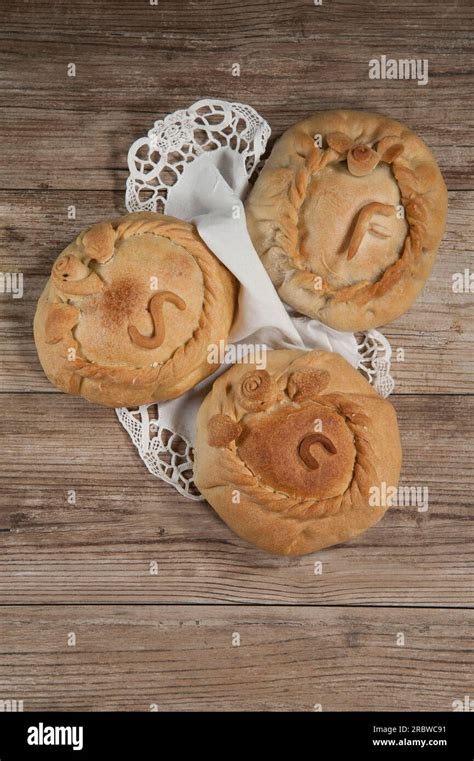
[209,193]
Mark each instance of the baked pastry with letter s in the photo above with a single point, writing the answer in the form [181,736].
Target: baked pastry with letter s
[130,310]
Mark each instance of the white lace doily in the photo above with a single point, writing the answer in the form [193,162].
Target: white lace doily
[156,163]
[375,355]
[166,454]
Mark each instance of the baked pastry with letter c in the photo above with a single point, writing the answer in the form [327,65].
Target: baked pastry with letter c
[299,456]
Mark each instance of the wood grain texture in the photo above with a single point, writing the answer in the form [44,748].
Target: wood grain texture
[136,64]
[435,334]
[306,637]
[130,657]
[100,549]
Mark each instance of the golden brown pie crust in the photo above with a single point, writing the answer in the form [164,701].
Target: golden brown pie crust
[130,309]
[347,216]
[294,474]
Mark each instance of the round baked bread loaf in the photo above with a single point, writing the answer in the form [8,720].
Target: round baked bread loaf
[130,310]
[347,215]
[297,457]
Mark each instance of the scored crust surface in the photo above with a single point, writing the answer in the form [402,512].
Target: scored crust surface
[130,309]
[289,456]
[347,216]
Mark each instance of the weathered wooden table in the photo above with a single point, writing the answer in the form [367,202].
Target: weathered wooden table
[168,640]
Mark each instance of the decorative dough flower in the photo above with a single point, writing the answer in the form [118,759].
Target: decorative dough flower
[361,158]
[257,391]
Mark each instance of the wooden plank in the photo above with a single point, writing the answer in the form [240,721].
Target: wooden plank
[134,66]
[432,343]
[436,335]
[166,638]
[128,658]
[87,150]
[223,20]
[100,549]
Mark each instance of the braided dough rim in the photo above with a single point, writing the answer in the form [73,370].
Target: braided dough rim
[423,195]
[232,472]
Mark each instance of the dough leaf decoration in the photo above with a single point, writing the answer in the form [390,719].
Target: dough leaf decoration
[339,142]
[389,149]
[61,318]
[99,242]
[221,430]
[306,383]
